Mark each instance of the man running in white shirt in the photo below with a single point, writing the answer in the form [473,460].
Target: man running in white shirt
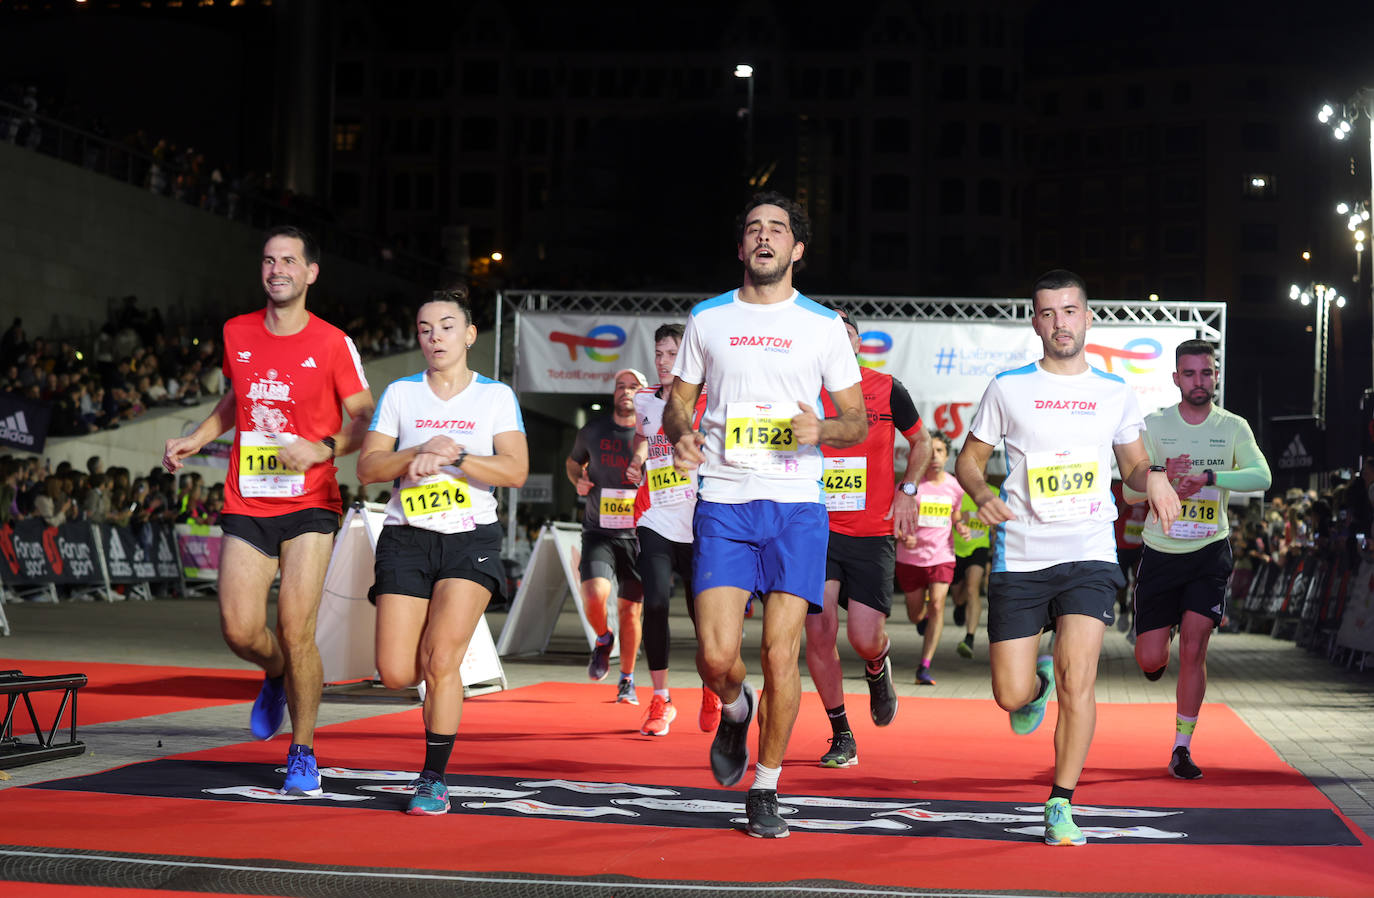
[763,353]
[1054,563]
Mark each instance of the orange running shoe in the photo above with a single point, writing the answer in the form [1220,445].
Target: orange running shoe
[709,718]
[660,717]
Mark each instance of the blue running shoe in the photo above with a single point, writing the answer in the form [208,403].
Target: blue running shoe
[269,710]
[430,798]
[302,776]
[1059,826]
[1026,718]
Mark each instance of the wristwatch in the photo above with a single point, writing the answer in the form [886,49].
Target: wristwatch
[907,487]
[1158,469]
[328,443]
[1210,477]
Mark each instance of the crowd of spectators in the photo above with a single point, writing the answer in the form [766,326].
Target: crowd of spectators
[30,489]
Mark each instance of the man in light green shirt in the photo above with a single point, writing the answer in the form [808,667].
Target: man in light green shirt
[1181,582]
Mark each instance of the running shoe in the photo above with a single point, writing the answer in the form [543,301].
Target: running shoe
[843,752]
[882,697]
[1059,826]
[761,806]
[923,677]
[709,717]
[625,692]
[1123,618]
[302,775]
[269,710]
[601,657]
[965,648]
[921,626]
[430,798]
[730,748]
[1181,764]
[661,715]
[1026,718]
[960,612]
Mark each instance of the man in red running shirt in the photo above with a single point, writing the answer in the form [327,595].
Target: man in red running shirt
[865,509]
[286,374]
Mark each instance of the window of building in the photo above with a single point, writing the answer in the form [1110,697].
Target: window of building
[1135,96]
[348,134]
[1133,242]
[424,192]
[1049,102]
[989,254]
[400,192]
[892,78]
[989,196]
[991,83]
[481,77]
[954,82]
[1181,94]
[890,251]
[951,197]
[1092,100]
[891,193]
[478,134]
[477,190]
[892,135]
[1261,137]
[350,79]
[990,140]
[1047,247]
[1181,239]
[1133,194]
[1259,237]
[1181,190]
[1094,195]
[952,140]
[951,254]
[346,189]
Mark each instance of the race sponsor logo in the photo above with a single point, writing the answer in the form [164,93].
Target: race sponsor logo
[309,362]
[594,343]
[1078,406]
[15,429]
[451,424]
[1134,356]
[949,418]
[873,348]
[772,343]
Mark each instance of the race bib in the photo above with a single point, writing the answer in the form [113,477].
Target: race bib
[440,502]
[262,475]
[935,511]
[846,483]
[1200,515]
[1065,485]
[617,509]
[666,485]
[1134,534]
[759,437]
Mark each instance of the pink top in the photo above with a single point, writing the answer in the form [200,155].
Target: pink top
[934,524]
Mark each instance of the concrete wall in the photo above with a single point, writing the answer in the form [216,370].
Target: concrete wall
[71,240]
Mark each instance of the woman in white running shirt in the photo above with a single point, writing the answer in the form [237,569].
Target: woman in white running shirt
[448,437]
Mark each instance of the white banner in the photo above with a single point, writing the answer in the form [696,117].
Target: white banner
[579,353]
[945,366]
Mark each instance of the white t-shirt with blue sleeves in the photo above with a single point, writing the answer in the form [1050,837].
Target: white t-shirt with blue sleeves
[1059,431]
[757,362]
[410,412]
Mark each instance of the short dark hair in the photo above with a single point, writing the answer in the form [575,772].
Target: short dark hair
[458,295]
[943,438]
[843,313]
[671,329]
[1194,347]
[311,248]
[797,218]
[1058,279]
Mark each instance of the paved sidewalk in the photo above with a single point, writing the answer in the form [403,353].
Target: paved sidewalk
[1318,717]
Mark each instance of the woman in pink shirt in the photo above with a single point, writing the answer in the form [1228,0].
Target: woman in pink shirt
[925,559]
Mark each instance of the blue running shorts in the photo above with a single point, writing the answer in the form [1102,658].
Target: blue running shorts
[762,546]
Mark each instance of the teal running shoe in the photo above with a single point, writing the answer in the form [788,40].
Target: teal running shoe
[1026,718]
[430,798]
[1059,826]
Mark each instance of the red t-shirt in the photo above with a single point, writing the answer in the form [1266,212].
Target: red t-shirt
[291,385]
[890,410]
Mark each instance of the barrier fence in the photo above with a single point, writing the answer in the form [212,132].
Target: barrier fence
[88,560]
[1322,599]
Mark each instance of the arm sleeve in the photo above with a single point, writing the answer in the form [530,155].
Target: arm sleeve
[989,422]
[348,370]
[1251,471]
[1132,422]
[386,418]
[904,415]
[580,454]
[691,359]
[508,415]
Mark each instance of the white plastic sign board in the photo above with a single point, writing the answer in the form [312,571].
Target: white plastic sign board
[550,577]
[347,624]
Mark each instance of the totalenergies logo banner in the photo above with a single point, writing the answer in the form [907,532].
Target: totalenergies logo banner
[947,366]
[572,353]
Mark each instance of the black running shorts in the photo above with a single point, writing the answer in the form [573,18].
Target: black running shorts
[1023,603]
[977,558]
[1168,584]
[864,566]
[266,534]
[410,560]
[614,559]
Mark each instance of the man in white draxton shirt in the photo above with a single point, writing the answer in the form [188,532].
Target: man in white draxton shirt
[763,354]
[1055,560]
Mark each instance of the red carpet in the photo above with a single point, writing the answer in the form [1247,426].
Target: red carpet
[939,756]
[126,691]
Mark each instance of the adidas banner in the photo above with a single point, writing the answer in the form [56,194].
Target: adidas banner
[1294,450]
[139,555]
[23,422]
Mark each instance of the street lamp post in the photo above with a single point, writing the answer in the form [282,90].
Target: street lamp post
[1324,297]
[1362,103]
[746,71]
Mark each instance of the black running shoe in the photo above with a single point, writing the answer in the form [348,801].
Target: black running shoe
[730,748]
[882,697]
[600,661]
[959,612]
[761,806]
[1181,764]
[843,752]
